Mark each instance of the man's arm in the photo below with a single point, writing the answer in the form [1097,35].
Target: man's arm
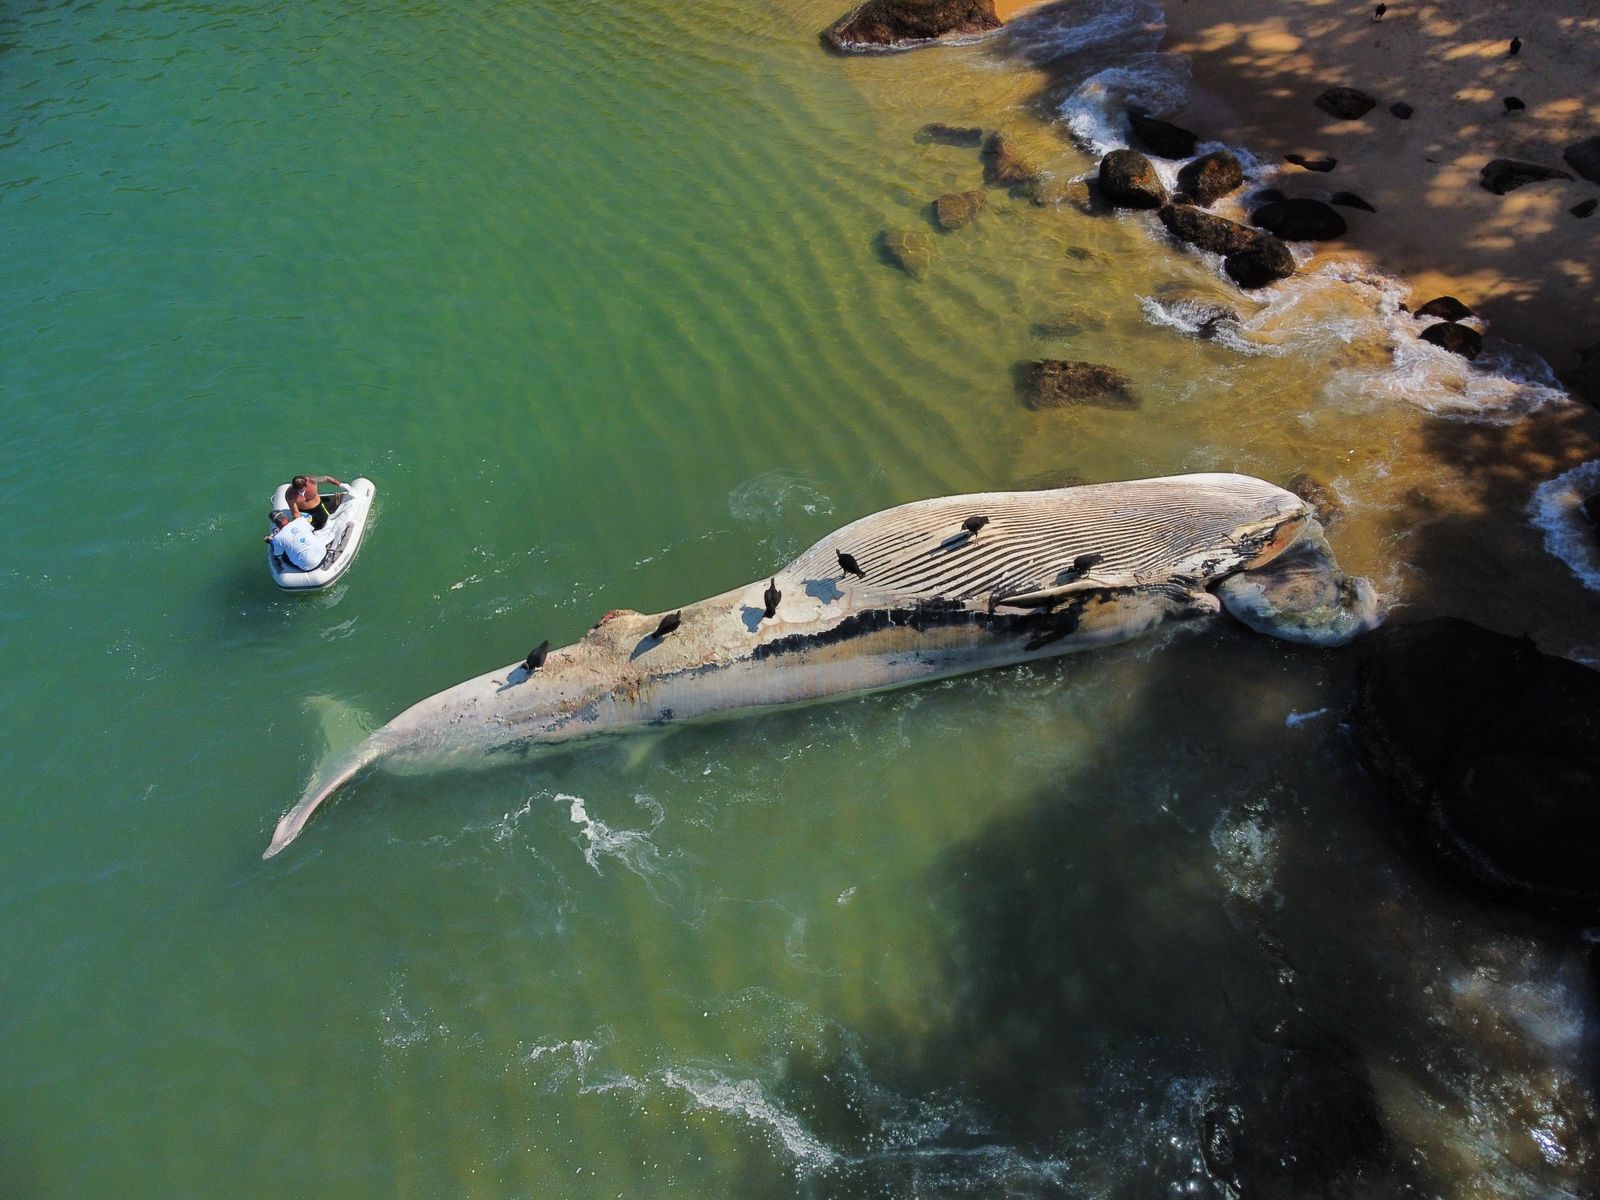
[324,479]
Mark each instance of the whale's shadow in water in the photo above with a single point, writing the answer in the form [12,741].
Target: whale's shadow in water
[1164,968]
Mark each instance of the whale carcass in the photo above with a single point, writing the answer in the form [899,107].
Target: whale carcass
[1048,572]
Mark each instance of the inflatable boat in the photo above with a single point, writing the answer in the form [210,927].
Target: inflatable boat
[341,535]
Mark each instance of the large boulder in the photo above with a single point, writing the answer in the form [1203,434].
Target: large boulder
[1055,383]
[1300,220]
[956,209]
[1507,174]
[1346,103]
[1264,261]
[909,249]
[1458,339]
[1161,138]
[1208,232]
[1584,158]
[1210,177]
[1003,163]
[1489,752]
[1128,180]
[883,24]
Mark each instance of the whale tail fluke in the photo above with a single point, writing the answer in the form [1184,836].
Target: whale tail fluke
[326,781]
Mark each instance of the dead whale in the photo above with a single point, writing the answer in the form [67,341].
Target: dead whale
[1055,571]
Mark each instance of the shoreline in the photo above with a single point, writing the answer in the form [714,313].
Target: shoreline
[1521,261]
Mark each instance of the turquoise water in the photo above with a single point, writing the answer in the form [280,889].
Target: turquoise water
[588,290]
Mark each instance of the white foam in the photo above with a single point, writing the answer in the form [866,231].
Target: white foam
[1096,113]
[775,494]
[1295,719]
[1567,532]
[1246,855]
[710,1090]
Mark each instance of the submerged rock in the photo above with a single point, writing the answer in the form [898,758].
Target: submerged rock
[1444,308]
[1055,383]
[1161,138]
[884,24]
[1068,323]
[950,135]
[1205,230]
[956,209]
[1346,103]
[1047,192]
[1489,752]
[1507,174]
[1320,496]
[1195,315]
[1584,158]
[1300,220]
[909,249]
[1459,339]
[1128,180]
[1264,261]
[1210,177]
[1402,110]
[1003,163]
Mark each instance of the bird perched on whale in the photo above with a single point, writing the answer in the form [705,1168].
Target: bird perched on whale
[1377,13]
[1516,45]
[1084,561]
[770,598]
[536,657]
[1513,104]
[669,623]
[849,565]
[973,524]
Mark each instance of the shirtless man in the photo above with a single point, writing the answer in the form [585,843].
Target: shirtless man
[303,499]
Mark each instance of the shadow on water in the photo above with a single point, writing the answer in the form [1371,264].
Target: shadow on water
[1197,958]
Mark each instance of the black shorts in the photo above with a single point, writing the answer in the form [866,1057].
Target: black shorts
[320,514]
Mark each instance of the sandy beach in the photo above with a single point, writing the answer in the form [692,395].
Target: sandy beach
[1521,260]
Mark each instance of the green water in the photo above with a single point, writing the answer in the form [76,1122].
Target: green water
[589,291]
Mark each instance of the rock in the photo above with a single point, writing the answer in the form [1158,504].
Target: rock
[1161,138]
[1351,200]
[1070,323]
[956,209]
[1048,192]
[1300,220]
[1459,339]
[1507,174]
[1323,165]
[1346,103]
[950,135]
[879,24]
[1402,110]
[1003,163]
[1489,753]
[1267,196]
[1054,383]
[1085,255]
[1320,496]
[1205,230]
[1584,207]
[909,249]
[1128,180]
[1265,261]
[1193,315]
[1445,308]
[1585,378]
[1584,158]
[1210,177]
